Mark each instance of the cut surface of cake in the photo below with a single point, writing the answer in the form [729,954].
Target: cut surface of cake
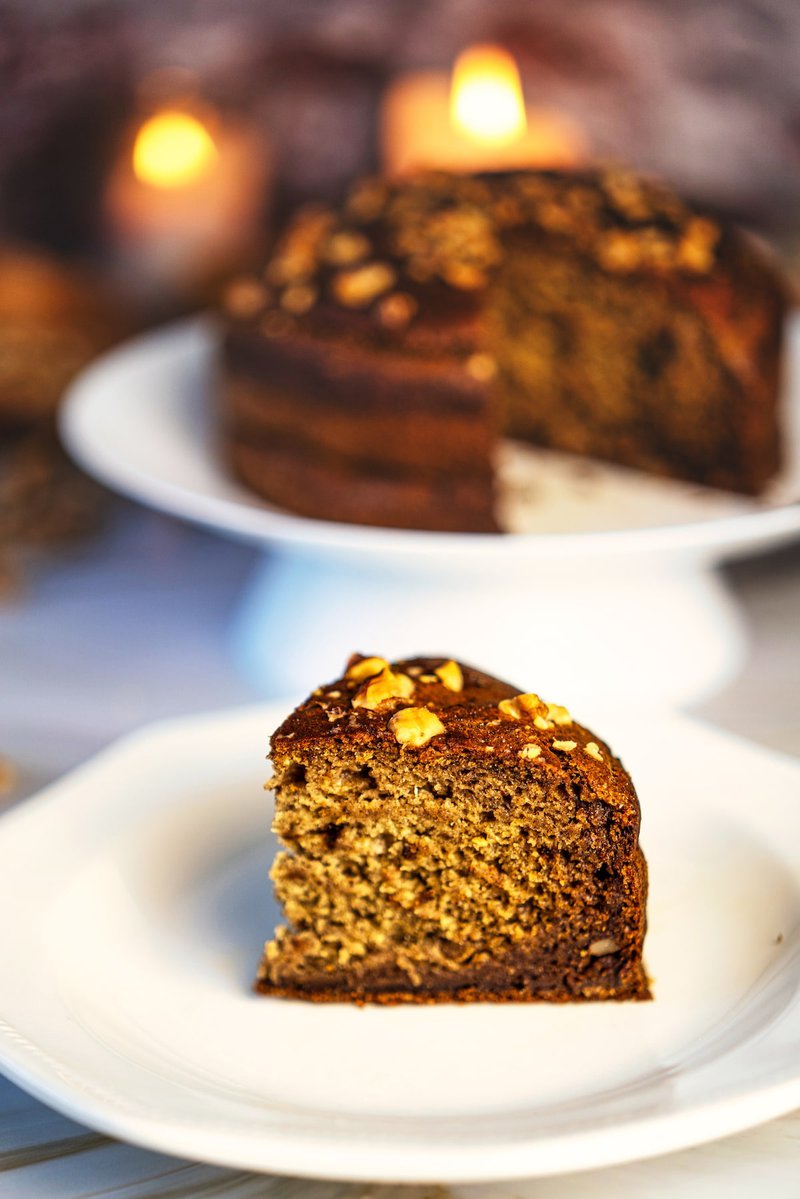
[369,371]
[448,837]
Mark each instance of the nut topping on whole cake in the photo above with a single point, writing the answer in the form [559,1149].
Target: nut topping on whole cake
[401,335]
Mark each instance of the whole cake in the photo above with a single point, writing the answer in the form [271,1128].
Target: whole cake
[449,838]
[368,372]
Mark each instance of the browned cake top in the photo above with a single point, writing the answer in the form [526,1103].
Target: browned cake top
[434,706]
[417,247]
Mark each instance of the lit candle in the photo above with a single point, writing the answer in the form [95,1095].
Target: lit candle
[474,120]
[186,200]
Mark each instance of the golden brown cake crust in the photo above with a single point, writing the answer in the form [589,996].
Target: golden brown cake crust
[389,753]
[328,714]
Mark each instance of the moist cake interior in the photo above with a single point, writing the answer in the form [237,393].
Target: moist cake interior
[452,875]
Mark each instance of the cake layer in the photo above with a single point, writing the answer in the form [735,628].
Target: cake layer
[343,490]
[413,428]
[545,972]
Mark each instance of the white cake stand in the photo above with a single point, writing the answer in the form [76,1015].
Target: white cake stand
[607,588]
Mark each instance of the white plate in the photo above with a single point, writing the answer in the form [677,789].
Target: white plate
[140,899]
[140,420]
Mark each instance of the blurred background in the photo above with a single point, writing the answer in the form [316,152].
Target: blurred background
[148,148]
[290,97]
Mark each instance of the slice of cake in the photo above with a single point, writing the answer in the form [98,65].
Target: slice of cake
[369,370]
[448,838]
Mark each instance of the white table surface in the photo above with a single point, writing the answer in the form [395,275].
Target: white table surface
[131,627]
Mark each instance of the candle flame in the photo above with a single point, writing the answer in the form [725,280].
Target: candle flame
[486,101]
[173,149]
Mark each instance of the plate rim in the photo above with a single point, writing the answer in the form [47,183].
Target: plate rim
[58,1084]
[711,540]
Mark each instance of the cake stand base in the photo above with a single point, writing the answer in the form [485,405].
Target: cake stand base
[643,632]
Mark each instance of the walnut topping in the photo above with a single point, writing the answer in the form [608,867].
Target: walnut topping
[357,288]
[593,750]
[450,675]
[299,298]
[696,247]
[366,668]
[558,714]
[245,297]
[367,199]
[346,247]
[481,367]
[626,192]
[428,678]
[415,726]
[521,705]
[565,747]
[464,276]
[530,751]
[603,946]
[298,250]
[397,310]
[543,723]
[620,250]
[385,686]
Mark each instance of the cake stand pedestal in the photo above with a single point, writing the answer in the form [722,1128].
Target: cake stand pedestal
[641,631]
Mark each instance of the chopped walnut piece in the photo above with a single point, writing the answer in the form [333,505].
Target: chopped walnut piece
[593,750]
[245,297]
[530,751]
[298,250]
[481,367]
[697,246]
[346,247]
[602,946]
[620,251]
[367,199]
[415,726]
[521,705]
[463,275]
[357,288]
[299,298]
[397,310]
[558,714]
[543,723]
[366,668]
[450,675]
[385,686]
[428,678]
[565,746]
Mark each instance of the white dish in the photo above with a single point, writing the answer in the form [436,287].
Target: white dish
[140,420]
[140,899]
